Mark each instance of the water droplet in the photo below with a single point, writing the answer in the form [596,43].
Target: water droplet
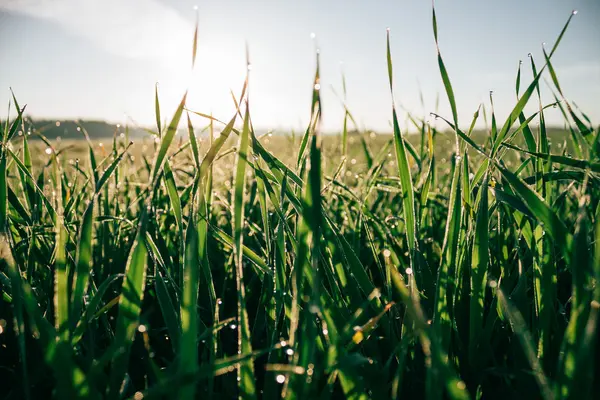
[57,123]
[289,352]
[142,329]
[317,86]
[353,161]
[232,326]
[387,253]
[325,331]
[283,343]
[219,302]
[529,55]
[387,29]
[574,12]
[48,150]
[280,378]
[409,271]
[313,35]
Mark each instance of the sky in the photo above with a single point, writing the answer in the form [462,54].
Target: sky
[101,59]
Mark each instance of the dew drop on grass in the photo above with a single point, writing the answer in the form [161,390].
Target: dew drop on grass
[387,253]
[313,35]
[48,150]
[574,12]
[232,326]
[317,86]
[409,271]
[289,352]
[280,378]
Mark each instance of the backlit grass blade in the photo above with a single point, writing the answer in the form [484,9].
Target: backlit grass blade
[157,110]
[479,267]
[444,72]
[443,313]
[575,373]
[403,170]
[246,381]
[188,350]
[166,140]
[84,251]
[130,303]
[543,213]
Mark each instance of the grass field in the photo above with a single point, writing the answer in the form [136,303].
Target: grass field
[446,265]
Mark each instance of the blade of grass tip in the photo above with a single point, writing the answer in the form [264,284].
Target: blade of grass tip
[479,267]
[444,72]
[193,141]
[188,350]
[527,95]
[166,140]
[408,202]
[84,250]
[518,81]
[314,114]
[157,110]
[584,130]
[93,163]
[246,379]
[195,41]
[345,129]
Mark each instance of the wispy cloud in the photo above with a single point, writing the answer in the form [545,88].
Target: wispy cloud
[131,28]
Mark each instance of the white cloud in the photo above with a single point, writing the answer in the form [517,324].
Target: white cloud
[129,28]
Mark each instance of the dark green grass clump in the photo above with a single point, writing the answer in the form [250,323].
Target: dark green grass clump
[395,271]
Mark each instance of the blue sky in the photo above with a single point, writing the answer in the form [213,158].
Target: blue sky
[100,58]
